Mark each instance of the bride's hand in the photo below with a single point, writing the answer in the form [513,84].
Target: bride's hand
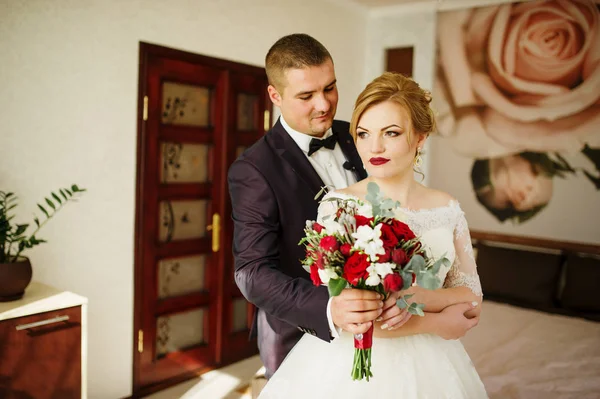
[392,316]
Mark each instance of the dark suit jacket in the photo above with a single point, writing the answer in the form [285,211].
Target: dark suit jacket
[272,187]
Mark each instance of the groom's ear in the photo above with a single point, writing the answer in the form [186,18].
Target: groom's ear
[274,95]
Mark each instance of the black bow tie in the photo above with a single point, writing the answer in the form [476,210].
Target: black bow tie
[317,144]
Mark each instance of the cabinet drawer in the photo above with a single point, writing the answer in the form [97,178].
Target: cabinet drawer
[40,355]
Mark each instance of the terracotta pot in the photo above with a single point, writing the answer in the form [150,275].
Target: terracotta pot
[14,278]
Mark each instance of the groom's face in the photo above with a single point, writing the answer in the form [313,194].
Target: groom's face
[307,98]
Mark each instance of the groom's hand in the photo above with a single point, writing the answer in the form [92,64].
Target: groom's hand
[354,310]
[453,322]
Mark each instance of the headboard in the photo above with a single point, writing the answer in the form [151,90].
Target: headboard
[551,276]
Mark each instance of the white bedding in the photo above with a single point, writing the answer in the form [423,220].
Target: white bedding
[526,354]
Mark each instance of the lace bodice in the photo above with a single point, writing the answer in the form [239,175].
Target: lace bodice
[443,232]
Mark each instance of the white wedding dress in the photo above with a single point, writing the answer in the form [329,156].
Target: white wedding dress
[421,366]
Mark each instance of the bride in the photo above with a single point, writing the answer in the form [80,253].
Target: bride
[423,358]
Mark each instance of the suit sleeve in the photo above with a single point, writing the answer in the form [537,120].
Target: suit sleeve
[257,262]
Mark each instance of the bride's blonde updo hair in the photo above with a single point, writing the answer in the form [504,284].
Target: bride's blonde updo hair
[403,91]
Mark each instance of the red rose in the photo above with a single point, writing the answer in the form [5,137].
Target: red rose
[356,268]
[385,257]
[329,243]
[388,237]
[392,282]
[362,221]
[345,249]
[399,257]
[314,275]
[401,230]
[317,227]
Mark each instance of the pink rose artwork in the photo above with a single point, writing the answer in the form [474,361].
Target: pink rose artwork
[518,90]
[519,77]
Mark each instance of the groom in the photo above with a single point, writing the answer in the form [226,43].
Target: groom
[273,187]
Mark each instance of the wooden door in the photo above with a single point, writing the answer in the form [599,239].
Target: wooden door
[195,113]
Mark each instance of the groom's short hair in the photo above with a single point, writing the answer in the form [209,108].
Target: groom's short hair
[295,51]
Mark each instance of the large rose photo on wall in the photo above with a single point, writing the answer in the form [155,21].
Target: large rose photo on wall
[518,91]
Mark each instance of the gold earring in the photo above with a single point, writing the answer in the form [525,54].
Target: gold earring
[418,159]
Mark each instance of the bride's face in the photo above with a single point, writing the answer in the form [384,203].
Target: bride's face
[382,140]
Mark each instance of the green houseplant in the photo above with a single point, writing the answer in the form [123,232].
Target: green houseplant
[15,269]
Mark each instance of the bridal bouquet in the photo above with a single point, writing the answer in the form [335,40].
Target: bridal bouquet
[366,245]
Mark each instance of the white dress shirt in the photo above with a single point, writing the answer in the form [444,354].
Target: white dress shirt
[328,165]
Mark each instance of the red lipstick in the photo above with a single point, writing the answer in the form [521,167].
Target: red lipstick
[378,161]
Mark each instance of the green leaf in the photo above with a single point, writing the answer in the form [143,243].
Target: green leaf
[57,198]
[43,210]
[37,221]
[336,286]
[21,229]
[406,279]
[62,192]
[427,280]
[435,268]
[416,264]
[50,204]
[401,303]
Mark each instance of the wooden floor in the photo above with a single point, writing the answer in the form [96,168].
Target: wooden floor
[231,382]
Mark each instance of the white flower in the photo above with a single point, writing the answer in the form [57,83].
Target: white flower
[365,210]
[373,278]
[383,269]
[327,274]
[374,248]
[332,227]
[367,239]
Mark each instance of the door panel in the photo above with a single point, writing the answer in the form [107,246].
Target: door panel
[196,116]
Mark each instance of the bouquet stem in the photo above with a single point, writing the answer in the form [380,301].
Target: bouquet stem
[362,355]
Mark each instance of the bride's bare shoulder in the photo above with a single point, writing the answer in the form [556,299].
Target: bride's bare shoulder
[432,198]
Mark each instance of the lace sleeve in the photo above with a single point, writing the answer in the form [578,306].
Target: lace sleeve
[463,272]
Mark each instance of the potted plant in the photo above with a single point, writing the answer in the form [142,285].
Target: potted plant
[15,269]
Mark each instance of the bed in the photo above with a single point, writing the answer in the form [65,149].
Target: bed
[539,334]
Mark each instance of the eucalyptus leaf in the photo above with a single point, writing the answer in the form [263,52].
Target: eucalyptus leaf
[406,279]
[401,303]
[416,264]
[443,261]
[428,280]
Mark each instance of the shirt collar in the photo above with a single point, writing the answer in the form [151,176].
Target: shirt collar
[302,139]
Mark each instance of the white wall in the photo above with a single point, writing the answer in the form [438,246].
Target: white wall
[68,104]
[411,28]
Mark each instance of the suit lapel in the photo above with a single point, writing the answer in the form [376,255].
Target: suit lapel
[289,150]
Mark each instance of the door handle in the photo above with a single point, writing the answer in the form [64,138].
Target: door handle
[216,231]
